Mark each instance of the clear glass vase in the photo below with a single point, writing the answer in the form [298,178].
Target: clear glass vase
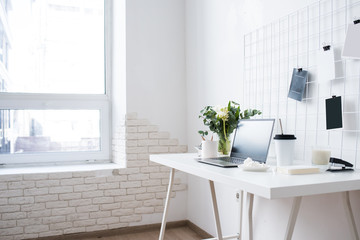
[224,145]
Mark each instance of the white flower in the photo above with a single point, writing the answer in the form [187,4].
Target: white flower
[222,112]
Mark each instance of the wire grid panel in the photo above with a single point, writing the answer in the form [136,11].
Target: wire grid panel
[270,54]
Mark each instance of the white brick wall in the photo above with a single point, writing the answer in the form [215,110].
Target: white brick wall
[40,205]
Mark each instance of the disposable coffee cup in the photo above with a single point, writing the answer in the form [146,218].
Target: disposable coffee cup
[284,149]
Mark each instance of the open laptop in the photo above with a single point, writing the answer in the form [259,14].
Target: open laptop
[252,139]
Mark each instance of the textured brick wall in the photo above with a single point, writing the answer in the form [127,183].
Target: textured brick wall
[38,205]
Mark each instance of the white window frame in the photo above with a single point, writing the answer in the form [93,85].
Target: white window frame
[41,101]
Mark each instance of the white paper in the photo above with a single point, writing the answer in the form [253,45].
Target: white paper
[326,65]
[352,42]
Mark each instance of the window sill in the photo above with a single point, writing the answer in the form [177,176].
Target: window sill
[10,170]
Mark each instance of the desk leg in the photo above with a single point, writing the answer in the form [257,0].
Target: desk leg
[216,212]
[349,215]
[239,196]
[240,199]
[250,206]
[292,218]
[168,196]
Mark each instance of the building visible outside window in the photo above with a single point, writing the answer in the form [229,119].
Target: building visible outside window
[54,105]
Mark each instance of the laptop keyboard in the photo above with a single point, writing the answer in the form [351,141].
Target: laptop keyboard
[233,160]
[223,161]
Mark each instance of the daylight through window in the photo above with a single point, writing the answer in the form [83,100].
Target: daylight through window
[54,103]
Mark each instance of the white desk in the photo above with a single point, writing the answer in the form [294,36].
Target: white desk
[264,184]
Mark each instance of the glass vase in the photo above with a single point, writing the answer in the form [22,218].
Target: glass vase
[224,145]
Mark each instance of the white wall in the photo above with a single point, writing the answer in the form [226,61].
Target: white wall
[155,75]
[214,61]
[156,63]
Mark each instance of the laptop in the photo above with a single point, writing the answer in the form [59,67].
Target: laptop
[251,139]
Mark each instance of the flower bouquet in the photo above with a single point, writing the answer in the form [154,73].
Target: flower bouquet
[223,121]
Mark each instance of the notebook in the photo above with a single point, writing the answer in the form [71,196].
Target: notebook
[252,139]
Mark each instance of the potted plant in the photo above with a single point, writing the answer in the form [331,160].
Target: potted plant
[223,121]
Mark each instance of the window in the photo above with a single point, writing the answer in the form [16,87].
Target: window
[54,98]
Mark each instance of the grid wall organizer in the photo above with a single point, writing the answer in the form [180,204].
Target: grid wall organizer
[270,54]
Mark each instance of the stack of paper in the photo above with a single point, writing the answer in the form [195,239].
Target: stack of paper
[297,169]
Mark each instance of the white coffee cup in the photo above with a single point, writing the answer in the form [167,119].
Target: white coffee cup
[284,149]
[209,149]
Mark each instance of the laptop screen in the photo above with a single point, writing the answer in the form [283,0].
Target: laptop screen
[252,139]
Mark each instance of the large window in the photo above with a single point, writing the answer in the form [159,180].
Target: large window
[54,103]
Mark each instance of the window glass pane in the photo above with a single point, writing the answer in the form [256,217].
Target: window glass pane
[53,46]
[36,131]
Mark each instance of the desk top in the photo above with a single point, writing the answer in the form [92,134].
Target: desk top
[270,185]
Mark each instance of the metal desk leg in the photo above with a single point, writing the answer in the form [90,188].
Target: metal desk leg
[349,215]
[216,212]
[240,198]
[250,205]
[237,236]
[168,196]
[292,218]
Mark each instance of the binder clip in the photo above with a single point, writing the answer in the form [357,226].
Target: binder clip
[356,20]
[339,165]
[326,47]
[299,69]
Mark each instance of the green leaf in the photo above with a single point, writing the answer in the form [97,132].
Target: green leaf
[216,125]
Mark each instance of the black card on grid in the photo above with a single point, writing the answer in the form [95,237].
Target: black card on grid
[298,83]
[333,113]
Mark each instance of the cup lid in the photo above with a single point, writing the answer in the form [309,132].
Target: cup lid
[284,137]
